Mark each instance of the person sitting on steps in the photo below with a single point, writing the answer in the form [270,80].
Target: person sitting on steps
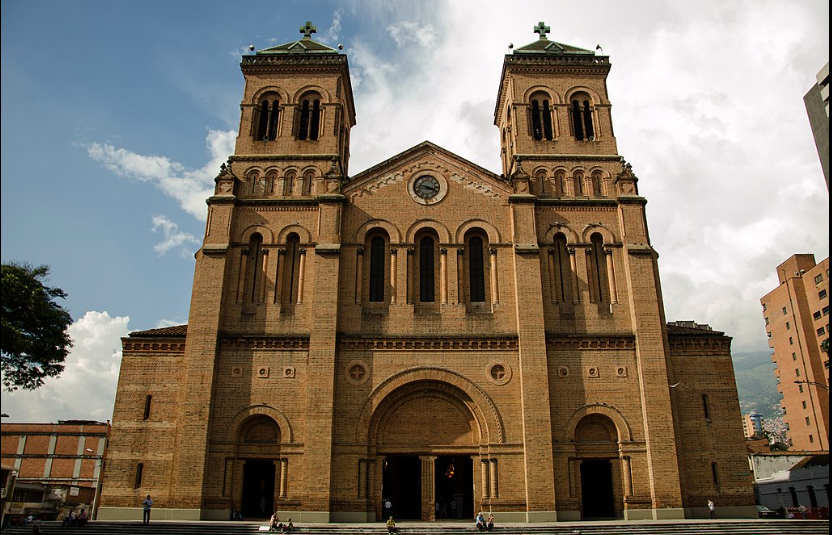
[481,522]
[391,526]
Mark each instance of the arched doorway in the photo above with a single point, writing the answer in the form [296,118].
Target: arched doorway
[258,447]
[428,434]
[596,442]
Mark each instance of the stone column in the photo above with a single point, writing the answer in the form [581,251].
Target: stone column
[627,475]
[550,258]
[264,277]
[495,288]
[592,277]
[611,276]
[573,276]
[428,490]
[284,477]
[492,477]
[393,274]
[359,276]
[278,281]
[443,276]
[241,283]
[486,487]
[301,275]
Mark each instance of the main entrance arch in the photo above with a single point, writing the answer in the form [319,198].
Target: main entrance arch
[428,429]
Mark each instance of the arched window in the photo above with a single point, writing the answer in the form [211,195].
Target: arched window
[560,184]
[378,257]
[255,266]
[266,118]
[582,125]
[289,184]
[291,269]
[598,270]
[476,270]
[253,180]
[310,118]
[562,269]
[539,185]
[427,269]
[579,184]
[541,114]
[597,184]
[308,178]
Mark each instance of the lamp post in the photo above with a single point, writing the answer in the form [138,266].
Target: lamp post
[819,385]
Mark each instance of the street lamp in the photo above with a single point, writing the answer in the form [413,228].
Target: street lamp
[821,385]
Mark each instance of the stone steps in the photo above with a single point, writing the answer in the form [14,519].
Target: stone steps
[687,527]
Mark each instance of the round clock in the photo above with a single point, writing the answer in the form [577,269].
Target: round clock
[426,187]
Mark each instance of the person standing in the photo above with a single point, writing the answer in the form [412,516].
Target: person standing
[146,505]
[711,510]
[388,507]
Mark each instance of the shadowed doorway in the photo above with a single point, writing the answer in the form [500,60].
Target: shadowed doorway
[455,486]
[596,489]
[402,485]
[258,489]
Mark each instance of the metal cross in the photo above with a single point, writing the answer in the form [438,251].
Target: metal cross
[357,372]
[498,372]
[308,30]
[541,28]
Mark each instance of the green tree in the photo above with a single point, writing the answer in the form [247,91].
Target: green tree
[34,341]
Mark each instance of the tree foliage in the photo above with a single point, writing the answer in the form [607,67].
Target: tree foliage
[34,341]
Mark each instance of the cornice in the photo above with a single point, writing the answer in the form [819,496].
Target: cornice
[445,343]
[264,342]
[560,342]
[153,346]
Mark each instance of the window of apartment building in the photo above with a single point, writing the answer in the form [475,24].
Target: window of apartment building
[825,311]
[794,356]
[819,278]
[791,341]
[822,294]
[764,307]
[820,331]
[785,311]
[811,439]
[766,321]
[816,316]
[808,421]
[800,388]
[797,372]
[804,404]
[788,326]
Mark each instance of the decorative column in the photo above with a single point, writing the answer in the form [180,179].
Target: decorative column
[264,277]
[495,288]
[284,477]
[492,476]
[278,280]
[359,276]
[550,258]
[428,490]
[410,255]
[611,276]
[443,276]
[573,275]
[460,276]
[486,488]
[394,255]
[627,475]
[301,275]
[241,283]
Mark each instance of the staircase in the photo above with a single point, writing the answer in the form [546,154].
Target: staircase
[683,527]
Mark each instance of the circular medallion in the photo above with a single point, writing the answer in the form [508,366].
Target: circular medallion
[356,372]
[498,372]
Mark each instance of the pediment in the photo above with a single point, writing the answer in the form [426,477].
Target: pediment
[427,157]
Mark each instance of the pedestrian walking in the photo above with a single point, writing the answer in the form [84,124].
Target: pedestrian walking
[146,505]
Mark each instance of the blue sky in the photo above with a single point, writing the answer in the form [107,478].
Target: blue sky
[116,116]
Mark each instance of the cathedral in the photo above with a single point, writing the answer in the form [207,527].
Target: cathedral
[427,334]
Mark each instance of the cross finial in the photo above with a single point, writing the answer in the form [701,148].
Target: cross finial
[308,30]
[541,28]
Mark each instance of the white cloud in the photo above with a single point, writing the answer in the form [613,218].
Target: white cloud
[86,389]
[412,32]
[168,323]
[174,238]
[331,35]
[190,187]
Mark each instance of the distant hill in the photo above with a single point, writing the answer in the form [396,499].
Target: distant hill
[756,384]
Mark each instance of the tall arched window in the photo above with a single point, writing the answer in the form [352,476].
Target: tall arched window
[598,270]
[560,184]
[289,184]
[378,257]
[308,178]
[579,184]
[476,270]
[255,267]
[582,125]
[291,269]
[266,118]
[427,269]
[541,118]
[562,267]
[310,118]
[597,184]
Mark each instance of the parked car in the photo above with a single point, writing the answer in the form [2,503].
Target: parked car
[765,512]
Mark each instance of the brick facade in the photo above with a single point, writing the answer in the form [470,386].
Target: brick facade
[426,326]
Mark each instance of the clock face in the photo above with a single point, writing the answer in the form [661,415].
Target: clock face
[426,187]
